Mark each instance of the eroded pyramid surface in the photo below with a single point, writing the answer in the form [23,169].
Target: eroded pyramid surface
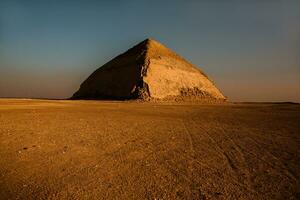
[149,71]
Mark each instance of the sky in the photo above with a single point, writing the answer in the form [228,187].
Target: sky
[249,48]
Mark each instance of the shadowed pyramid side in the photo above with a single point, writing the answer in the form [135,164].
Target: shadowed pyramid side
[120,78]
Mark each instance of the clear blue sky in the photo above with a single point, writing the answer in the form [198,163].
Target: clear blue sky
[251,49]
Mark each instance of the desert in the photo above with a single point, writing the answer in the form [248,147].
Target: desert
[62,149]
[149,100]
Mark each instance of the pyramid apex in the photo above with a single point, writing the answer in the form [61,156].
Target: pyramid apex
[150,40]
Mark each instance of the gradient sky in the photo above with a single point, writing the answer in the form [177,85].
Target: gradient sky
[251,49]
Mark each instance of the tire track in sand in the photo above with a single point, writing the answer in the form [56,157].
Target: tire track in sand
[230,162]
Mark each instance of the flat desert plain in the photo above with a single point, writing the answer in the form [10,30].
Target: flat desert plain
[55,149]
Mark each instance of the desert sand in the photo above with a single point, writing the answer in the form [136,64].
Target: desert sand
[126,150]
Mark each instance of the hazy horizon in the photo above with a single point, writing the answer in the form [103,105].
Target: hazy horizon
[251,50]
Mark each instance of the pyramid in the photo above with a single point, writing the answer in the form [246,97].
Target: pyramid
[149,71]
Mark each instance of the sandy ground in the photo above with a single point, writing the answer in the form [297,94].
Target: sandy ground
[127,150]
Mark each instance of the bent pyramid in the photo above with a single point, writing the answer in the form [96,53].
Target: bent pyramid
[148,71]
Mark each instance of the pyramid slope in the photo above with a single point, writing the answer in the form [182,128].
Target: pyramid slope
[115,79]
[148,71]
